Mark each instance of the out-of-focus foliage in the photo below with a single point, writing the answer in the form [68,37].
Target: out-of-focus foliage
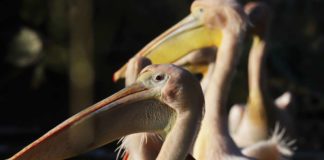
[25,48]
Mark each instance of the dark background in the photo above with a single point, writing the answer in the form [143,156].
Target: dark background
[35,87]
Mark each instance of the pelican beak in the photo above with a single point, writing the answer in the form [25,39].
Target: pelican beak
[198,61]
[121,114]
[188,35]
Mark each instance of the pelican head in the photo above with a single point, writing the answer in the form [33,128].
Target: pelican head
[205,26]
[161,95]
[220,14]
[260,16]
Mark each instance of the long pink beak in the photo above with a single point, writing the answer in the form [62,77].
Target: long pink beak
[112,118]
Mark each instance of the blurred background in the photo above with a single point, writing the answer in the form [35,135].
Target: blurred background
[58,56]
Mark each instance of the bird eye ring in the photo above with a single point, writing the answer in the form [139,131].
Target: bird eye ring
[201,10]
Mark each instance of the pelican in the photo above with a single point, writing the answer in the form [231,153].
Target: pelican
[252,123]
[165,99]
[140,146]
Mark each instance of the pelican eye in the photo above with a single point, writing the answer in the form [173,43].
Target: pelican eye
[159,77]
[199,11]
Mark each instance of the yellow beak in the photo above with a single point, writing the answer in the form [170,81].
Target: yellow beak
[189,34]
[100,124]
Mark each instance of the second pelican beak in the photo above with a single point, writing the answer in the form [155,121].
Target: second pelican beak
[189,34]
[118,115]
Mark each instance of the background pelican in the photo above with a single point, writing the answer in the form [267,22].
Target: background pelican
[254,122]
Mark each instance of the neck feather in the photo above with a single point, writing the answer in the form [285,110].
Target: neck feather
[217,92]
[258,93]
[180,139]
[256,69]
[214,123]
